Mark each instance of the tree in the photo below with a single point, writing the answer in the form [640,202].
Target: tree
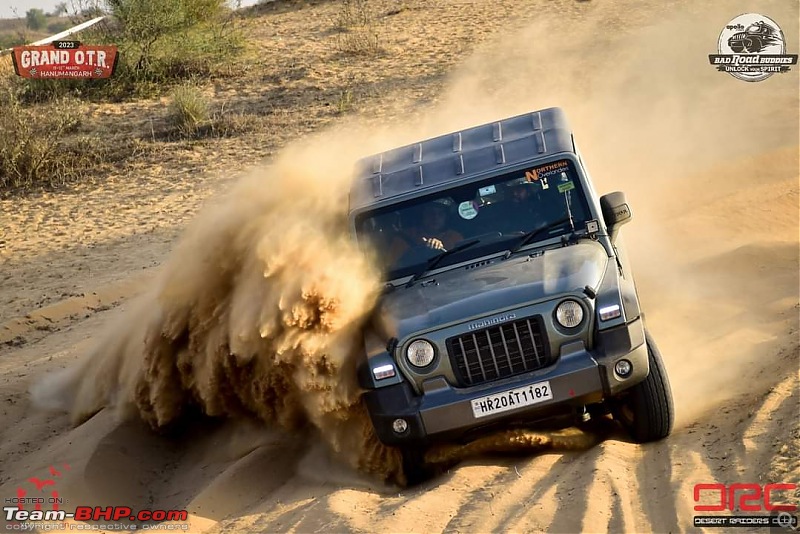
[36,19]
[61,9]
[145,22]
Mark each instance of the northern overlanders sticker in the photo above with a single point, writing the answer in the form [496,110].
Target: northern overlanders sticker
[752,47]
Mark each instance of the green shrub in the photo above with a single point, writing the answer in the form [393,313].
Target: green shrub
[188,111]
[35,19]
[58,26]
[60,9]
[160,42]
[10,40]
[143,23]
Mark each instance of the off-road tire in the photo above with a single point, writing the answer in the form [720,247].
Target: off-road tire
[647,410]
[414,466]
[754,44]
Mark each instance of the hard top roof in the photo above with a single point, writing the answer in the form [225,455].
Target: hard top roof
[458,155]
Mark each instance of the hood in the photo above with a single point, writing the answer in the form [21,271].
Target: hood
[466,293]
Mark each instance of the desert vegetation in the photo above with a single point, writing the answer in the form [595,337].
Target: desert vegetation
[183,68]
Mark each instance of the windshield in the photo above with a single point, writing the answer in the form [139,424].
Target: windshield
[497,212]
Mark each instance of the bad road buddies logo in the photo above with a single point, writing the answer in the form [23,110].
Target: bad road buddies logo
[752,48]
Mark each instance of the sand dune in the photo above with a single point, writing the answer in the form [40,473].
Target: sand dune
[710,166]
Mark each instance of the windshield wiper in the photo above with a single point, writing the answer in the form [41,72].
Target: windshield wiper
[436,260]
[533,234]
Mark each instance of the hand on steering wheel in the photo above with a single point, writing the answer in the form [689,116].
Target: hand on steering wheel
[433,243]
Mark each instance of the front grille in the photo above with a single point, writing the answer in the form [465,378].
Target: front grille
[499,351]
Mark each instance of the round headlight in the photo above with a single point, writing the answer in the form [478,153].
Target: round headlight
[569,314]
[420,353]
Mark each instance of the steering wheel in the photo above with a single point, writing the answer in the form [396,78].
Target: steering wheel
[417,252]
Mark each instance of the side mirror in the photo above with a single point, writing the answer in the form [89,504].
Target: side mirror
[616,212]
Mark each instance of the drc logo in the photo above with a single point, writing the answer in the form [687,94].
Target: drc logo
[752,48]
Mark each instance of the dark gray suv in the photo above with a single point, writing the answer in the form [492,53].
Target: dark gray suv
[509,298]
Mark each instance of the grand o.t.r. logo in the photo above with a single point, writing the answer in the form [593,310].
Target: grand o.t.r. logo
[752,48]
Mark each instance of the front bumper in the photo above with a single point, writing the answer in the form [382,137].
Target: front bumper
[444,412]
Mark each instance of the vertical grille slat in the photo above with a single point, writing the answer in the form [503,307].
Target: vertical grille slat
[521,350]
[464,353]
[505,347]
[533,341]
[491,349]
[499,351]
[478,352]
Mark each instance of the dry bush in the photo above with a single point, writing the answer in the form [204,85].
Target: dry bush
[191,116]
[358,34]
[353,14]
[229,124]
[188,110]
[160,42]
[33,149]
[359,42]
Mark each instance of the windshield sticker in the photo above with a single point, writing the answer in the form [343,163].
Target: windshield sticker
[545,171]
[468,210]
[563,188]
[488,190]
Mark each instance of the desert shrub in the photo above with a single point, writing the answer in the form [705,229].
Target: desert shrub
[35,19]
[33,152]
[58,26]
[60,9]
[359,42]
[227,124]
[10,40]
[143,23]
[188,110]
[356,24]
[352,14]
[160,42]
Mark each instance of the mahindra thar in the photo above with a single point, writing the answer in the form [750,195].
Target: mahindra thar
[509,298]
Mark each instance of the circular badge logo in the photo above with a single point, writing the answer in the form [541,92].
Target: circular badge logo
[467,210]
[751,47]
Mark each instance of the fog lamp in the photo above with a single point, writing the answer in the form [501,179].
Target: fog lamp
[399,426]
[623,368]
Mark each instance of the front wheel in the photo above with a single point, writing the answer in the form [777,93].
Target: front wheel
[647,410]
[414,466]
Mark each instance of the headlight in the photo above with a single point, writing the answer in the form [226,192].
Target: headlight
[420,353]
[569,314]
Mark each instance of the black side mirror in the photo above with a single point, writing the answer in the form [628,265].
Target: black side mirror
[616,212]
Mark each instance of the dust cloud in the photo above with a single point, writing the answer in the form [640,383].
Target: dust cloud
[257,313]
[654,119]
[260,308]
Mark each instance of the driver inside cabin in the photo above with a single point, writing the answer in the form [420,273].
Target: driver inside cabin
[432,230]
[521,207]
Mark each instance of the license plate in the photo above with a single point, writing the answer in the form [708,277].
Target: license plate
[511,399]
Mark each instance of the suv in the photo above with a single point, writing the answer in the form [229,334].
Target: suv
[509,298]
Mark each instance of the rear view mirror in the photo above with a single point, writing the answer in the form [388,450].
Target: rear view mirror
[616,212]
